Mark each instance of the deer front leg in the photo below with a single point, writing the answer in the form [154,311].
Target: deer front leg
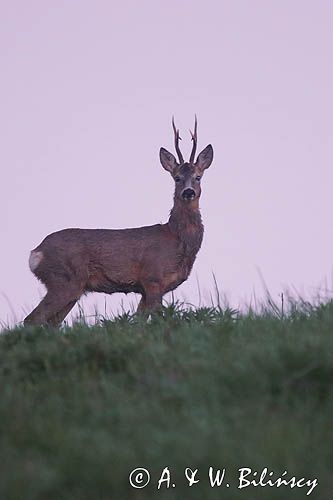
[152,298]
[142,305]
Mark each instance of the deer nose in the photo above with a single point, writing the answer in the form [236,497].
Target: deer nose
[188,194]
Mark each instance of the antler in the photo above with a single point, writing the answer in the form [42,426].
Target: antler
[194,139]
[177,139]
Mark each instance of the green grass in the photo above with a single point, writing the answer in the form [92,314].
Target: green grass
[83,406]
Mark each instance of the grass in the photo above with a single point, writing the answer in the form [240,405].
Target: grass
[82,406]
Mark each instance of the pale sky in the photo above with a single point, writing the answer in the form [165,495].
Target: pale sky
[88,89]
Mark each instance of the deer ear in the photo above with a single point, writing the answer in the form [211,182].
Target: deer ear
[205,158]
[168,160]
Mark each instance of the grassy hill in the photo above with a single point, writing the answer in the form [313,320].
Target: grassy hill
[81,407]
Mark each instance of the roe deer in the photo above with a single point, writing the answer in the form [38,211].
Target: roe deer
[150,260]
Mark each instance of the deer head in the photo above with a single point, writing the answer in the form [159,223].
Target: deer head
[187,175]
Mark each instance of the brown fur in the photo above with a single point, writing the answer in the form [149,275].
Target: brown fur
[150,260]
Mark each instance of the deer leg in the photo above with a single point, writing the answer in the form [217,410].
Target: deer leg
[142,305]
[52,307]
[58,318]
[152,299]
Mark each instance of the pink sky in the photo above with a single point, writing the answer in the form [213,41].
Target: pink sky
[87,94]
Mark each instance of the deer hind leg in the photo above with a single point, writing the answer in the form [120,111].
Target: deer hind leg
[54,307]
[59,317]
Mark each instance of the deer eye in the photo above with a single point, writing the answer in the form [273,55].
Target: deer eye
[177,178]
[198,177]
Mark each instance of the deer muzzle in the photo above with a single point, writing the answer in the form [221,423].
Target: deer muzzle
[188,194]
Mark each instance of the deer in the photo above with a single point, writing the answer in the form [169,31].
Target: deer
[149,260]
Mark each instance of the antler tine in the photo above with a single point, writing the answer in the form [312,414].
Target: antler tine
[177,139]
[194,139]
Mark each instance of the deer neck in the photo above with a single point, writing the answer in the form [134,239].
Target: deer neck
[185,222]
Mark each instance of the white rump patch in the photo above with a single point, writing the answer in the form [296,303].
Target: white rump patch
[35,259]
